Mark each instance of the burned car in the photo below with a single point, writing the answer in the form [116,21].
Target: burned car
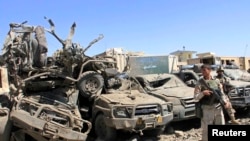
[171,88]
[189,77]
[237,74]
[124,105]
[43,98]
[61,97]
[238,93]
[5,105]
[108,98]
[46,110]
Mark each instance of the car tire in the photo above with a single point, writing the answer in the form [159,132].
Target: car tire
[102,131]
[90,83]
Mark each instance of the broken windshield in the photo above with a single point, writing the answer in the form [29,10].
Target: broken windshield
[237,74]
[166,82]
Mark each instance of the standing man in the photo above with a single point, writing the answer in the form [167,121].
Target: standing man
[212,112]
[220,75]
[223,80]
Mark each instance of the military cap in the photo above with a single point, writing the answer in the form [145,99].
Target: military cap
[206,66]
[220,70]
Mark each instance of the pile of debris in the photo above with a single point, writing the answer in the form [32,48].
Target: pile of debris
[70,96]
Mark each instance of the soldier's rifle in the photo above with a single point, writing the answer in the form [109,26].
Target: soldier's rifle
[216,92]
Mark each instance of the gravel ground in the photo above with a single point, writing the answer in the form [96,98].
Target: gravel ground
[181,131]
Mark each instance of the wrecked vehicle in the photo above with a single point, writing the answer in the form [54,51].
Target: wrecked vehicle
[124,105]
[153,73]
[121,104]
[48,109]
[109,112]
[171,88]
[189,77]
[238,93]
[62,98]
[238,90]
[237,74]
[5,105]
[43,97]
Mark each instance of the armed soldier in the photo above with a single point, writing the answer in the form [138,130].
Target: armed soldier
[223,80]
[212,112]
[220,75]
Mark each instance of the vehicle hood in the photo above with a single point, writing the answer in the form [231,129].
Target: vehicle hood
[131,99]
[178,92]
[237,83]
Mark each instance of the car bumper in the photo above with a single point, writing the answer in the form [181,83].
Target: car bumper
[181,113]
[46,128]
[138,123]
[240,101]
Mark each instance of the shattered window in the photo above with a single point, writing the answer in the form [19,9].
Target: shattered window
[237,74]
[168,82]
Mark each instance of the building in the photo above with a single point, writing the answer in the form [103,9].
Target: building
[211,58]
[241,62]
[205,58]
[183,55]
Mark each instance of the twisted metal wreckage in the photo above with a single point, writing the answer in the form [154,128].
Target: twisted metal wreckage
[39,95]
[61,97]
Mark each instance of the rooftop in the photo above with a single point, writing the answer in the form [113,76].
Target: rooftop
[182,51]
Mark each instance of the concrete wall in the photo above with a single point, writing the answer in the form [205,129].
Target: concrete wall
[184,56]
[246,61]
[193,61]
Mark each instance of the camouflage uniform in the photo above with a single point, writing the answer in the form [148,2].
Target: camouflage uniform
[230,110]
[223,79]
[211,109]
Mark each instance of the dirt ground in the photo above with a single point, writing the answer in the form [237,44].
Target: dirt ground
[188,130]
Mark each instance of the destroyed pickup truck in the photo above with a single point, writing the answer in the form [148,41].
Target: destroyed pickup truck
[153,74]
[238,93]
[38,100]
[124,105]
[61,97]
[5,104]
[170,88]
[110,100]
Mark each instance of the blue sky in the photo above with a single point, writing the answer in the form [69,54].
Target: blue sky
[156,27]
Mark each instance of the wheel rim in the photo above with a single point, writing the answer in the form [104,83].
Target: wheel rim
[92,85]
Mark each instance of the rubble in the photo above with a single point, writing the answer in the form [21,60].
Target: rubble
[67,95]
